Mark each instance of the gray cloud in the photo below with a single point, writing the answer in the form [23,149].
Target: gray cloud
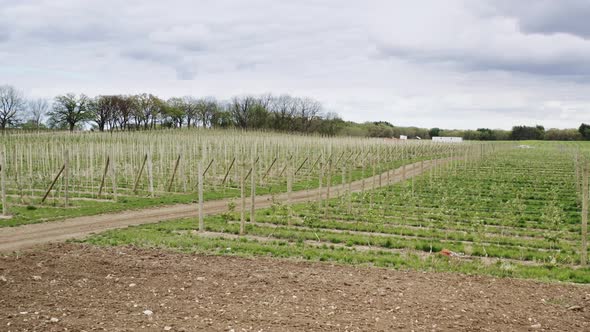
[164,57]
[499,37]
[548,16]
[571,66]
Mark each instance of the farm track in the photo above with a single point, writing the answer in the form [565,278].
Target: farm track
[26,236]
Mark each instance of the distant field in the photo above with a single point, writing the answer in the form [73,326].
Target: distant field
[514,212]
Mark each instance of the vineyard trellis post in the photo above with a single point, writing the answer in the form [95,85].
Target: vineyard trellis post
[174,173]
[328,185]
[253,162]
[139,174]
[3,168]
[289,193]
[114,178]
[104,175]
[200,189]
[150,174]
[66,177]
[320,179]
[584,251]
[53,183]
[242,199]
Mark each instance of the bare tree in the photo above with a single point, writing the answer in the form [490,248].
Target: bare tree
[283,110]
[208,111]
[249,111]
[103,108]
[191,110]
[12,104]
[124,107]
[309,110]
[37,110]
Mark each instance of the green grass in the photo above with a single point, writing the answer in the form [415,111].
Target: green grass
[165,236]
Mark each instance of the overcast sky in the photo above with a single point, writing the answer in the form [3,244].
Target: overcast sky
[451,64]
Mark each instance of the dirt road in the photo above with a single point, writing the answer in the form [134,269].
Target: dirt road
[26,236]
[76,287]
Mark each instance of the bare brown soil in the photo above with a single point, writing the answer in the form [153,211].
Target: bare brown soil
[26,236]
[75,287]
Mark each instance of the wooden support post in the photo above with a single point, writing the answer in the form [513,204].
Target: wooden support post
[269,168]
[174,173]
[284,168]
[338,160]
[253,187]
[584,249]
[208,166]
[313,165]
[374,185]
[320,185]
[228,169]
[138,174]
[200,189]
[349,191]
[3,169]
[300,166]
[104,175]
[328,187]
[243,200]
[289,194]
[66,177]
[343,182]
[388,175]
[362,175]
[380,173]
[53,183]
[150,175]
[577,169]
[114,179]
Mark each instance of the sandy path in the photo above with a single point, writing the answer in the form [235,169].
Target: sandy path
[27,236]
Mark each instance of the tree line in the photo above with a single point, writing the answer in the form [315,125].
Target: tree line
[147,111]
[282,113]
[518,133]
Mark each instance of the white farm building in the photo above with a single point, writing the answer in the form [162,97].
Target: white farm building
[447,139]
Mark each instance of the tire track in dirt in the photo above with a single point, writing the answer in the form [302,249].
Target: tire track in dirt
[26,236]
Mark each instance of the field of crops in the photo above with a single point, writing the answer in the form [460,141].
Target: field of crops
[502,208]
[102,172]
[514,212]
